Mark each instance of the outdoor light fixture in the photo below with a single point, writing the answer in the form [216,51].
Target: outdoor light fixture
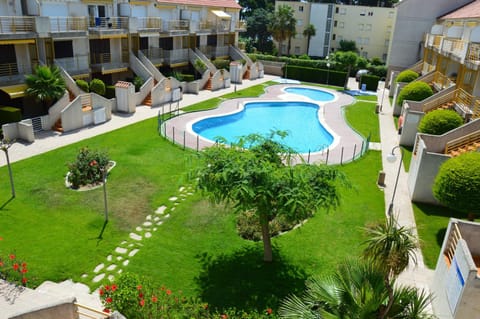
[392,158]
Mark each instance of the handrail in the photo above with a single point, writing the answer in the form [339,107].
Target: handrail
[61,24]
[16,24]
[109,22]
[462,141]
[102,314]
[431,105]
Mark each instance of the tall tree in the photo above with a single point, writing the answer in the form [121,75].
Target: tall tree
[250,6]
[347,60]
[257,29]
[347,45]
[259,179]
[309,32]
[282,25]
[46,85]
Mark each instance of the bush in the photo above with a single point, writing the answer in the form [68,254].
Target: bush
[406,76]
[9,114]
[137,82]
[83,85]
[415,91]
[221,63]
[97,86]
[371,81]
[315,75]
[110,91]
[439,122]
[86,170]
[376,61]
[458,181]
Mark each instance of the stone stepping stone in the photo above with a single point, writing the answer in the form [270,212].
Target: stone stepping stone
[181,189]
[131,245]
[84,276]
[156,219]
[133,252]
[98,268]
[176,203]
[111,267]
[98,278]
[124,242]
[119,271]
[111,278]
[149,217]
[148,235]
[172,209]
[159,223]
[190,194]
[119,257]
[139,229]
[155,228]
[125,262]
[160,210]
[135,236]
[120,250]
[173,198]
[109,258]
[167,216]
[147,224]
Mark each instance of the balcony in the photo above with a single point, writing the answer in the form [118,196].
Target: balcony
[103,62]
[241,26]
[473,54]
[77,65]
[155,55]
[455,48]
[14,73]
[68,26]
[433,41]
[176,57]
[108,27]
[176,27]
[15,27]
[149,24]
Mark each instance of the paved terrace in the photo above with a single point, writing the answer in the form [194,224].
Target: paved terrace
[347,143]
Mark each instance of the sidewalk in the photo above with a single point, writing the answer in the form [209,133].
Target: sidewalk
[49,140]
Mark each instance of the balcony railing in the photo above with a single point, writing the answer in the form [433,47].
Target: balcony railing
[442,81]
[177,25]
[65,24]
[176,56]
[104,58]
[74,64]
[15,24]
[434,40]
[466,101]
[8,69]
[473,52]
[109,22]
[149,23]
[241,25]
[456,47]
[155,55]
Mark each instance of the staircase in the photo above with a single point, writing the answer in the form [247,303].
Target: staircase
[148,100]
[246,75]
[58,126]
[208,85]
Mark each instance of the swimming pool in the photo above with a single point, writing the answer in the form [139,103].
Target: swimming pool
[316,95]
[299,119]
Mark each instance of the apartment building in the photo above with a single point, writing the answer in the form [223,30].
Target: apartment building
[370,27]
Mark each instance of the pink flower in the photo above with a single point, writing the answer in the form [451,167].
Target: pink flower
[169,292]
[139,287]
[142,303]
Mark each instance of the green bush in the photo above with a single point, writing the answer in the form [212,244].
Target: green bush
[371,81]
[221,63]
[315,75]
[406,76]
[83,85]
[414,91]
[97,86]
[86,170]
[137,82]
[439,122]
[458,181]
[186,77]
[9,114]
[110,91]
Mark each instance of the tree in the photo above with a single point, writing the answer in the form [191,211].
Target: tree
[458,181]
[347,60]
[259,179]
[257,29]
[251,6]
[347,45]
[309,32]
[439,122]
[282,25]
[46,85]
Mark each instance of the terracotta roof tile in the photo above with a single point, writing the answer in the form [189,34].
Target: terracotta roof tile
[207,3]
[122,84]
[470,10]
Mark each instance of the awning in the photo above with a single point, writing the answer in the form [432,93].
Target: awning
[18,41]
[221,14]
[15,91]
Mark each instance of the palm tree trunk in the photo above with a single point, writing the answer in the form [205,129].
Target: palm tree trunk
[384,312]
[267,241]
[279,53]
[308,44]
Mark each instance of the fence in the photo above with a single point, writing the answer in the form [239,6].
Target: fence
[338,155]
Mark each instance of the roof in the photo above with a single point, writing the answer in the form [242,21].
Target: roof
[468,11]
[207,3]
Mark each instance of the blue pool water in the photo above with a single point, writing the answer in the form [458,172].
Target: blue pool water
[299,119]
[316,95]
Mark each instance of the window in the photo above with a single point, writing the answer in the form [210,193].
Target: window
[370,14]
[340,38]
[300,9]
[299,22]
[335,23]
[387,42]
[333,37]
[297,50]
[366,40]
[337,9]
[362,13]
[359,40]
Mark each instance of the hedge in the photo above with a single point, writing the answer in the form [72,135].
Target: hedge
[9,114]
[97,86]
[110,91]
[371,81]
[439,122]
[313,75]
[83,85]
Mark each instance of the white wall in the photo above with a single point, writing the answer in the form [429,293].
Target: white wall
[318,17]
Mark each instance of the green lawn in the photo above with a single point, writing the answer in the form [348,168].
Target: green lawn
[361,115]
[197,249]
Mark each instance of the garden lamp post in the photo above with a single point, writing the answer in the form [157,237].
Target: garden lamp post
[392,158]
[328,68]
[4,146]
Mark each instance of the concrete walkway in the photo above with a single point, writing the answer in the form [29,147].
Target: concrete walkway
[415,275]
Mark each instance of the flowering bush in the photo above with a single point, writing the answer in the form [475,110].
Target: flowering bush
[136,300]
[13,270]
[86,170]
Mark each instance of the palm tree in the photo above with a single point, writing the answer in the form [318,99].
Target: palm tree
[282,25]
[309,32]
[46,85]
[390,248]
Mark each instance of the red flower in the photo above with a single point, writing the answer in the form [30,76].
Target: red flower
[106,310]
[93,163]
[24,280]
[142,303]
[154,299]
[107,287]
[269,311]
[24,270]
[1,263]
[114,287]
[139,287]
[101,292]
[108,299]
[15,266]
[140,295]
[12,256]
[24,265]
[169,292]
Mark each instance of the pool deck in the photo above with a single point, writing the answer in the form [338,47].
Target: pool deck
[347,142]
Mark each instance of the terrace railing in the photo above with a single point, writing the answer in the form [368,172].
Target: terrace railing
[8,69]
[74,64]
[473,52]
[434,41]
[456,47]
[176,25]
[16,24]
[176,56]
[155,55]
[64,24]
[109,22]
[145,23]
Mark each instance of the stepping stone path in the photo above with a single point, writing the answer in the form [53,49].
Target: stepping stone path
[116,262]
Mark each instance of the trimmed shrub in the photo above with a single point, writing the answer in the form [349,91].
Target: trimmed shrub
[83,85]
[415,91]
[86,170]
[137,82]
[221,63]
[315,75]
[371,81]
[439,122]
[406,76]
[458,181]
[9,114]
[110,91]
[185,77]
[97,86]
